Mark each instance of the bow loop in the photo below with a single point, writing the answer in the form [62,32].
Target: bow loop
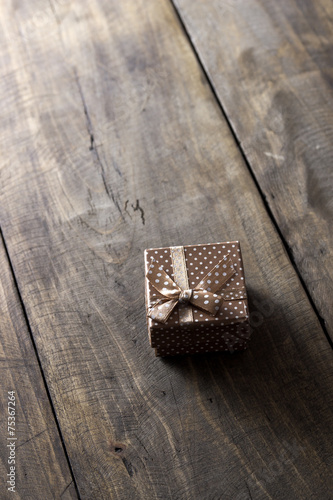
[162,282]
[207,301]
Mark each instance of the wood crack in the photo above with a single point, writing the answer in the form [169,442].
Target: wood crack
[66,488]
[137,207]
[93,147]
[30,439]
[248,489]
[129,467]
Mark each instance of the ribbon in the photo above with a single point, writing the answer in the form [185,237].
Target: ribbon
[203,296]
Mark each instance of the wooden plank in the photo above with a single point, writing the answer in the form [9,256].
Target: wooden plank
[270,64]
[32,460]
[117,144]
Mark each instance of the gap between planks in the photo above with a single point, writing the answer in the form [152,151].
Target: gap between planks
[248,165]
[2,240]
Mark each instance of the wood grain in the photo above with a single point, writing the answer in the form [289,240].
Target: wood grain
[41,468]
[270,64]
[113,142]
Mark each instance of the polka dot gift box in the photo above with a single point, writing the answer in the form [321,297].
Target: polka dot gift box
[196,299]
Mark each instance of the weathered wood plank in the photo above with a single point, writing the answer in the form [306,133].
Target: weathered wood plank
[271,66]
[117,144]
[33,446]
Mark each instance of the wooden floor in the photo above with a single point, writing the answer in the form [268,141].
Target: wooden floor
[139,123]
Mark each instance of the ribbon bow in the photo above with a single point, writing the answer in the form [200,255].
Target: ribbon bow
[202,296]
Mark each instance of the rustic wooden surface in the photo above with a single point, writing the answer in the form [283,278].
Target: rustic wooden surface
[41,467]
[113,142]
[270,64]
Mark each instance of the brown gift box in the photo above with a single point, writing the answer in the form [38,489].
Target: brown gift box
[196,299]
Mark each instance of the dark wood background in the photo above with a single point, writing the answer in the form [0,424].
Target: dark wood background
[133,124]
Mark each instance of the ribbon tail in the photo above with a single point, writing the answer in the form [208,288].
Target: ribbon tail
[162,310]
[207,301]
[162,282]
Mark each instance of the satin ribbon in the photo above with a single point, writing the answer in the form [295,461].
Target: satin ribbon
[203,296]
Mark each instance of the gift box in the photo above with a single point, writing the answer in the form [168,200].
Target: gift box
[196,299]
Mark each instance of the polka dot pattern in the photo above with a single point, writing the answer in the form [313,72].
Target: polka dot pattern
[228,330]
[211,334]
[224,346]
